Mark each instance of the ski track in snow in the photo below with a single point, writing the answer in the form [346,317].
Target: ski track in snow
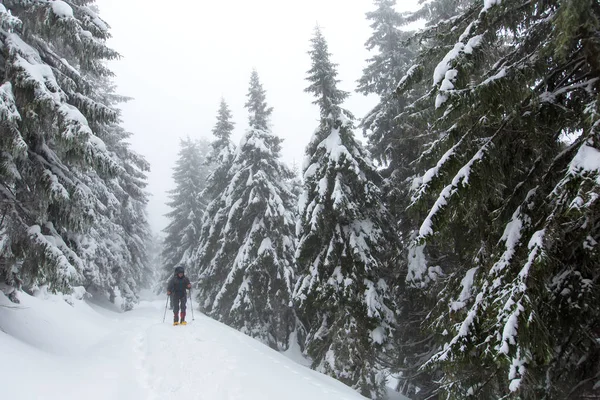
[132,355]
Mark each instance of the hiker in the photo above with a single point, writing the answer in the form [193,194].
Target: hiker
[177,290]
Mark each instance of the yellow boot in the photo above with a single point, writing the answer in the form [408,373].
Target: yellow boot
[183,323]
[176,323]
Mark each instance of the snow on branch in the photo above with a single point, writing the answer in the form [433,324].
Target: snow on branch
[433,172]
[34,73]
[8,22]
[61,9]
[465,294]
[511,238]
[461,179]
[487,4]
[94,19]
[10,117]
[56,250]
[586,161]
[447,75]
[412,71]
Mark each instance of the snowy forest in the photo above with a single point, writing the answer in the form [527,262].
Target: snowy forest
[446,241]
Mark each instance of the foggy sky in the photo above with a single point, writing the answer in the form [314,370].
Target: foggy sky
[181,57]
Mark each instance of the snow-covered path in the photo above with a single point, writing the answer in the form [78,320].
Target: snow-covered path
[52,350]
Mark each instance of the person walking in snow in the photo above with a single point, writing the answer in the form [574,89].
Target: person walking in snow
[177,290]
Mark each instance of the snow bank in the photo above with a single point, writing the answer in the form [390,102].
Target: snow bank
[53,350]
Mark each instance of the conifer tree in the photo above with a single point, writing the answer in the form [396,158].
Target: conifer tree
[257,241]
[394,52]
[222,150]
[392,145]
[221,156]
[510,209]
[65,169]
[188,205]
[295,181]
[123,222]
[346,244]
[116,243]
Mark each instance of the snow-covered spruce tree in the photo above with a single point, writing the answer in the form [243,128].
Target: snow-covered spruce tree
[295,181]
[182,234]
[126,225]
[388,66]
[346,243]
[392,145]
[55,169]
[257,241]
[213,220]
[385,69]
[510,207]
[134,219]
[114,247]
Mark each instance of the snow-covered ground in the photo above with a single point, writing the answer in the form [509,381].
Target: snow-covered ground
[53,350]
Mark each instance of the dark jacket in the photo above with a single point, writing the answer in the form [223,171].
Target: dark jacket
[178,285]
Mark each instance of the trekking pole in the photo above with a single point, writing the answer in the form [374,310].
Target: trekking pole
[166,304]
[192,304]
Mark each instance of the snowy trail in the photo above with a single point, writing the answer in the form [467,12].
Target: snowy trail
[209,361]
[101,354]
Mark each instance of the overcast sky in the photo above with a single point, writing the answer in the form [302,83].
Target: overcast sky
[180,59]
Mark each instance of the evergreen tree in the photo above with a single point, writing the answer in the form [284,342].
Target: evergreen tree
[65,170]
[187,203]
[213,220]
[509,209]
[257,241]
[259,112]
[222,148]
[115,247]
[346,246]
[131,271]
[395,54]
[295,182]
[392,145]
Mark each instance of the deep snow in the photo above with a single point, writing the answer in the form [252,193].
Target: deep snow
[53,350]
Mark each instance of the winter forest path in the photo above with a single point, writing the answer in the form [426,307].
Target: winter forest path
[52,350]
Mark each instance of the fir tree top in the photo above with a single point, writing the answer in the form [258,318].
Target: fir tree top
[259,112]
[322,76]
[222,148]
[224,126]
[395,53]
